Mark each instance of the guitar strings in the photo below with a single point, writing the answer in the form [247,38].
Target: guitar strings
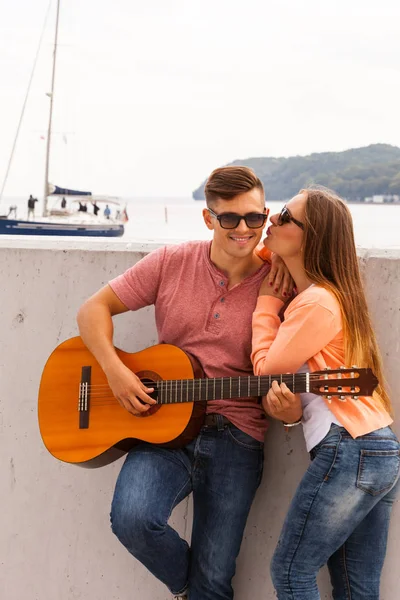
[101,394]
[244,377]
[170,386]
[193,385]
[166,396]
[300,377]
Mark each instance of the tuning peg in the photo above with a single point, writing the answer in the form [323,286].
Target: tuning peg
[355,397]
[329,398]
[342,367]
[326,388]
[342,398]
[339,388]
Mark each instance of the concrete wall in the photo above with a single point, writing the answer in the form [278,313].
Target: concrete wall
[55,541]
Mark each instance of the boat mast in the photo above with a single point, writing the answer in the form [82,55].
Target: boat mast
[46,176]
[24,104]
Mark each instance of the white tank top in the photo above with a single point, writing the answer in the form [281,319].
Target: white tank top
[317,418]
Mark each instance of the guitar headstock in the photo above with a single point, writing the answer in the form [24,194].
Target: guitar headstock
[343,383]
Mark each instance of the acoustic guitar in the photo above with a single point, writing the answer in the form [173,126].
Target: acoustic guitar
[81,422]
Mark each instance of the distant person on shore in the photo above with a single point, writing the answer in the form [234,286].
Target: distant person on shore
[63,203]
[341,509]
[96,208]
[204,294]
[31,207]
[107,212]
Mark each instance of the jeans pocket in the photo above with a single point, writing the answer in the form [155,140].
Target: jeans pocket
[243,439]
[378,470]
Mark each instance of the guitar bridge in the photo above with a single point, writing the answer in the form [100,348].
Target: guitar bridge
[84,397]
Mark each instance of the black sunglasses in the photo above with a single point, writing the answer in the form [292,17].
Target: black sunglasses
[285,217]
[232,220]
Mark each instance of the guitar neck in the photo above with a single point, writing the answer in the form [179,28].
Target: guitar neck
[174,391]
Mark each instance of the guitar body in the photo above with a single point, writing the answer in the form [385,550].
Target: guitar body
[111,429]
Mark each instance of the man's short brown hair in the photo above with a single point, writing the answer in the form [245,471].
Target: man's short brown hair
[228,182]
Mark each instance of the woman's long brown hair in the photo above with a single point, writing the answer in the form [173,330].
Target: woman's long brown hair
[330,260]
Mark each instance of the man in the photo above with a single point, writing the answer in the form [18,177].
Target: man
[31,207]
[204,295]
[96,208]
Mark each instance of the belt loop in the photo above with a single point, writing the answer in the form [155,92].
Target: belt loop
[220,422]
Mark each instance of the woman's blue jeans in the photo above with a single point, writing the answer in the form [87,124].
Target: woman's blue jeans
[339,515]
[223,468]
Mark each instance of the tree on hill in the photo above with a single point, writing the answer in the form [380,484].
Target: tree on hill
[353,174]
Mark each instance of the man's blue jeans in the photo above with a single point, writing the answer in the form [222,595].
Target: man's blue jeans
[223,468]
[339,515]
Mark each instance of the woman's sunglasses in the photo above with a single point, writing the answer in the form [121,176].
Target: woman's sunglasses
[286,217]
[232,220]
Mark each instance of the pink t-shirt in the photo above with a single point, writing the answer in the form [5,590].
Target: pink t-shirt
[195,311]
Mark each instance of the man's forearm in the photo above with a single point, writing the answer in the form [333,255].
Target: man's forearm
[96,329]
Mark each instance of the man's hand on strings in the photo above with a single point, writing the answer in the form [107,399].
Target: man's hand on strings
[130,392]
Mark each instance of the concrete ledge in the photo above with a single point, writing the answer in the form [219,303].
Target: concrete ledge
[119,245]
[83,244]
[56,542]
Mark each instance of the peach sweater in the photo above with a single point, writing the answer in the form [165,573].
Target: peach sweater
[310,333]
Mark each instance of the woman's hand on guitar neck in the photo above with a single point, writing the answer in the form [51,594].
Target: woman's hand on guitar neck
[130,392]
[281,404]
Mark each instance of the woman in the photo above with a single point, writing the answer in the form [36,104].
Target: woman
[341,509]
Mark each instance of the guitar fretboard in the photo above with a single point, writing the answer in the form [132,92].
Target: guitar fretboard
[220,388]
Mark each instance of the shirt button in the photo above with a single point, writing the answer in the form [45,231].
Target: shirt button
[222,283]
[222,300]
[216,315]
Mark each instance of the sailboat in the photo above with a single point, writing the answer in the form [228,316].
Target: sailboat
[74,213]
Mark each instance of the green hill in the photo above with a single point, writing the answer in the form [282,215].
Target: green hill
[354,174]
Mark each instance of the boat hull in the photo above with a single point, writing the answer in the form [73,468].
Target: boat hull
[21,227]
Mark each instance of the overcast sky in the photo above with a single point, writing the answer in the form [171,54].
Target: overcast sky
[152,95]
